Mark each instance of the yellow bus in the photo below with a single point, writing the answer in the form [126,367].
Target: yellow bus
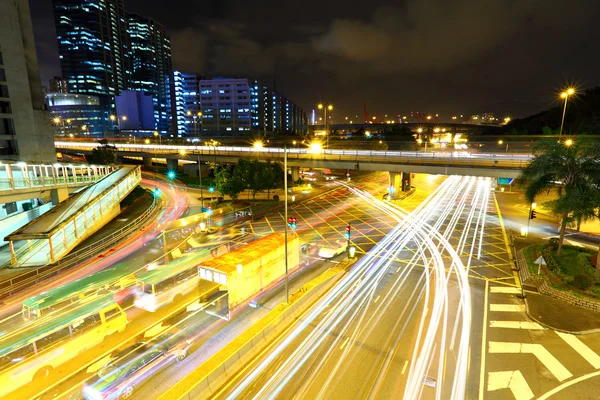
[31,352]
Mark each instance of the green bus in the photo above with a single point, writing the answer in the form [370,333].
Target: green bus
[30,352]
[116,281]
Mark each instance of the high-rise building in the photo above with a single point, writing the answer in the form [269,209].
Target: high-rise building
[185,104]
[58,85]
[25,130]
[93,47]
[75,114]
[135,111]
[150,54]
[226,104]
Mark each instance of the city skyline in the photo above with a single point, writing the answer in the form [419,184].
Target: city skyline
[482,64]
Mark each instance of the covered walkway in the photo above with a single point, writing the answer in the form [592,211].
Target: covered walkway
[54,234]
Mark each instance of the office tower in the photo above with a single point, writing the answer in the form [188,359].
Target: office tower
[93,47]
[184,104]
[150,55]
[75,114]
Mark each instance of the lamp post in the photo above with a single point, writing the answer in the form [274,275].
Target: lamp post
[500,142]
[565,95]
[159,138]
[285,234]
[325,108]
[114,117]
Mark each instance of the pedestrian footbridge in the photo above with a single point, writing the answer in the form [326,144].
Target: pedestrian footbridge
[55,233]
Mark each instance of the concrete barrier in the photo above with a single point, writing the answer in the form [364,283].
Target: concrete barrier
[209,377]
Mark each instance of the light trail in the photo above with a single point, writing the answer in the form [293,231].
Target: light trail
[356,290]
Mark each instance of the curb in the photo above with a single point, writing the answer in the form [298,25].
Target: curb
[535,284]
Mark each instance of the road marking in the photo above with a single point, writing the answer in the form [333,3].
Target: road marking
[377,298]
[515,276]
[513,380]
[483,341]
[405,366]
[344,344]
[507,307]
[538,350]
[505,289]
[565,385]
[516,325]
[580,347]
[270,227]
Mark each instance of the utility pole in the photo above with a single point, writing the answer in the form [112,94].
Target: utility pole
[285,235]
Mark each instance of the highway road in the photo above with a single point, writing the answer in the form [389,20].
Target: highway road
[400,318]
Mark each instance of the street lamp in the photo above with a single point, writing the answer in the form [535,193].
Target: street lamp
[565,95]
[568,142]
[316,147]
[285,234]
[258,144]
[159,138]
[325,109]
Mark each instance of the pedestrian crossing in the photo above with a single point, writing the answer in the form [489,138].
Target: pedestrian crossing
[524,359]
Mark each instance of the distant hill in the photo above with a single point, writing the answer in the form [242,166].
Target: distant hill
[583,117]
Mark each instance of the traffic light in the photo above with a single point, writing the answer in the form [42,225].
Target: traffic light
[348,229]
[156,191]
[532,214]
[391,190]
[209,210]
[211,189]
[171,175]
[292,222]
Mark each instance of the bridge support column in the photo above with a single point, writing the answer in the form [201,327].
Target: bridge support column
[172,164]
[295,173]
[406,181]
[147,162]
[59,194]
[395,185]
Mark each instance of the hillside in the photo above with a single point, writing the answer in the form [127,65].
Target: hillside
[583,116]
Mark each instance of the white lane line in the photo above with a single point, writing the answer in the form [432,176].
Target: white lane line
[505,289]
[344,344]
[516,325]
[377,298]
[507,307]
[513,380]
[543,355]
[483,341]
[588,354]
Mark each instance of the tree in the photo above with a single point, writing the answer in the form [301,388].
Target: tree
[104,154]
[575,166]
[227,182]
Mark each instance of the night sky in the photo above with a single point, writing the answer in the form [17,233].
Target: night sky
[435,56]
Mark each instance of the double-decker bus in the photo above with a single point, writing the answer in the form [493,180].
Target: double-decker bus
[168,283]
[115,281]
[31,352]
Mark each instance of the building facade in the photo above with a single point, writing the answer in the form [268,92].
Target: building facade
[150,60]
[75,115]
[135,111]
[93,47]
[58,85]
[25,129]
[226,105]
[185,104]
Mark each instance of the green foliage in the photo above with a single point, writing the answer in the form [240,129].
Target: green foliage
[553,242]
[254,175]
[227,182]
[583,260]
[104,154]
[582,282]
[546,130]
[135,194]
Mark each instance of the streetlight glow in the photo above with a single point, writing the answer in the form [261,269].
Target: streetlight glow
[568,142]
[316,147]
[112,117]
[330,107]
[320,106]
[258,144]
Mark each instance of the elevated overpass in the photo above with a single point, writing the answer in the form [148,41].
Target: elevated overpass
[55,233]
[503,165]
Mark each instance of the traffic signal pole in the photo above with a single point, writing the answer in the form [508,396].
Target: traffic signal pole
[285,235]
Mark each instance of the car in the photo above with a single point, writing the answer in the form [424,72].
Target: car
[330,252]
[132,365]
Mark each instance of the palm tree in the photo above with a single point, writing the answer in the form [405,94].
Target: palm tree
[572,169]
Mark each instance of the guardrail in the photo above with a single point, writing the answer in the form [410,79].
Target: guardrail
[13,285]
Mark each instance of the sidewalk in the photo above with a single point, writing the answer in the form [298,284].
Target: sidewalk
[561,316]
